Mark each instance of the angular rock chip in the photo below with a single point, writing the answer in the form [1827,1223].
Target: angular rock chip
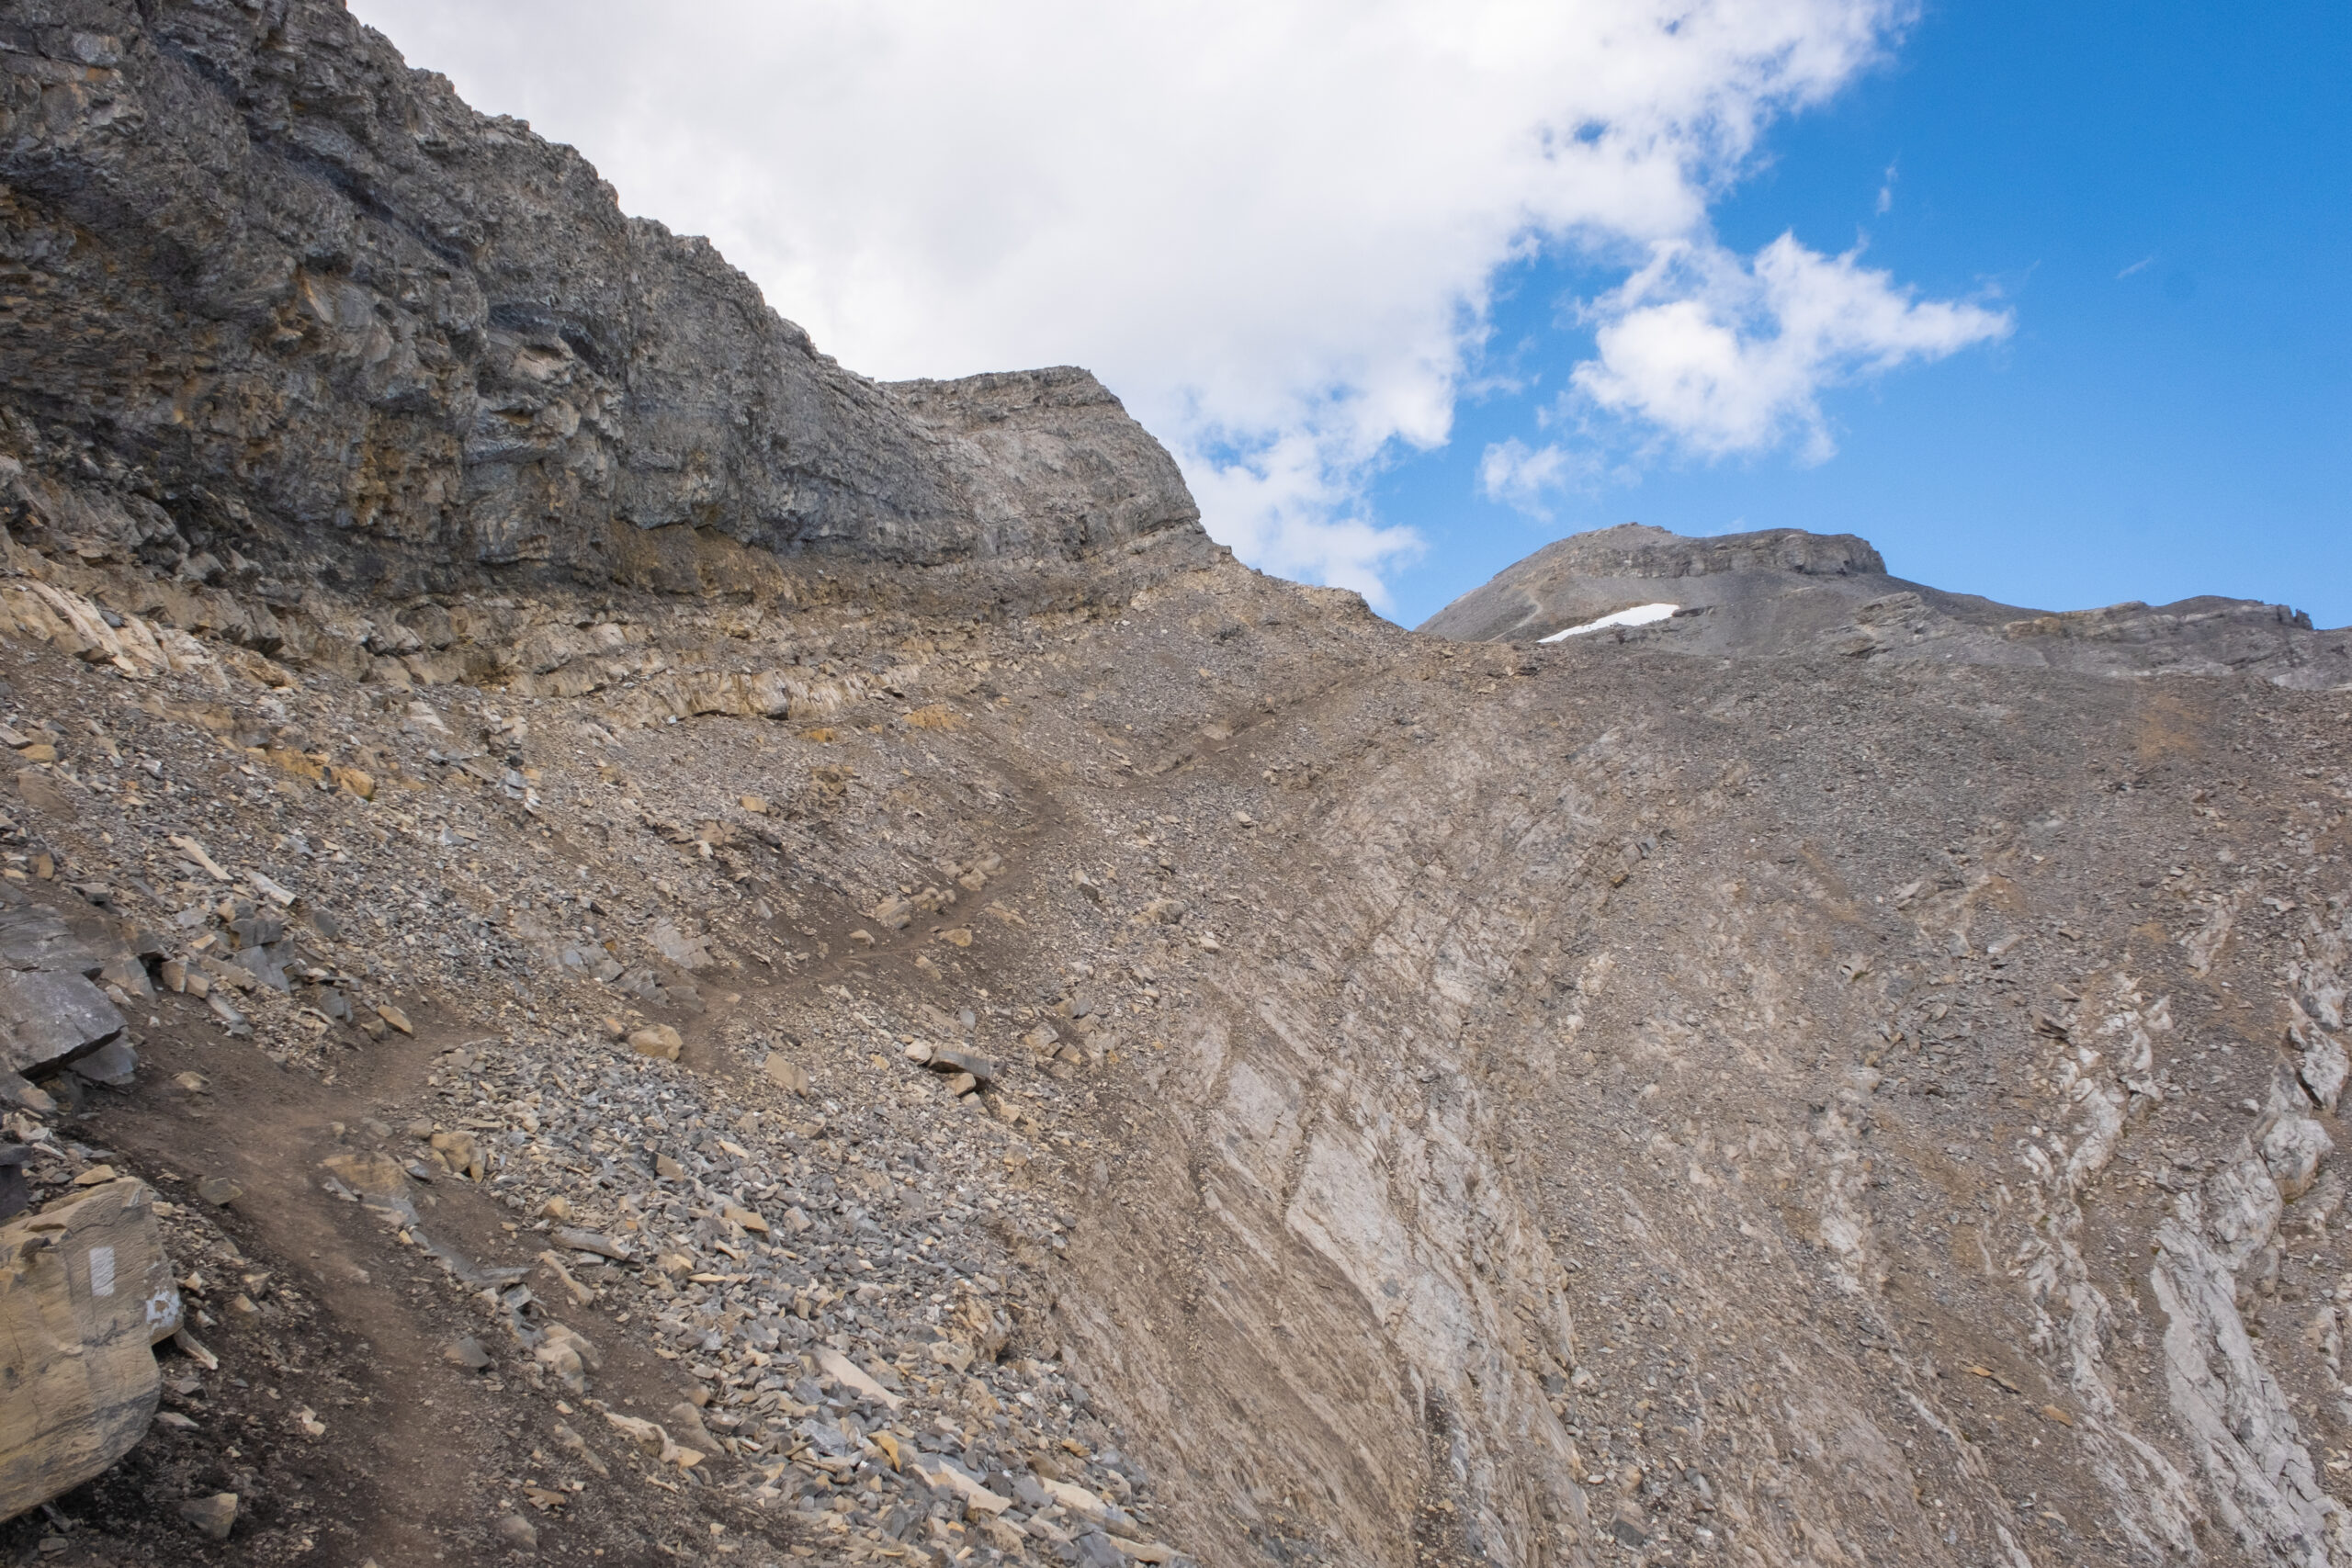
[213,1516]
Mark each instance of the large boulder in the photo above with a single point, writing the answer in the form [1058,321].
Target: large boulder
[85,1292]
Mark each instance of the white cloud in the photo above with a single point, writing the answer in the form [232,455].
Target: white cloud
[1292,508]
[1727,357]
[1519,476]
[1886,191]
[1269,225]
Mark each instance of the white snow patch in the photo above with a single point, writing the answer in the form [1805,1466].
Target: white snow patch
[1639,615]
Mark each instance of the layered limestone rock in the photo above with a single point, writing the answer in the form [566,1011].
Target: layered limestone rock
[308,305]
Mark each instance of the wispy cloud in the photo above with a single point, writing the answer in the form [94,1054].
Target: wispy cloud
[1522,477]
[2145,262]
[1886,191]
[1272,226]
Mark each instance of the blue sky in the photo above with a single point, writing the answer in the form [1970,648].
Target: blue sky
[2161,195]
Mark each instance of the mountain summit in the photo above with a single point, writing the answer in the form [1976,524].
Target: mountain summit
[1784,590]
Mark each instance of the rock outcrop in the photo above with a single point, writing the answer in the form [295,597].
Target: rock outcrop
[322,321]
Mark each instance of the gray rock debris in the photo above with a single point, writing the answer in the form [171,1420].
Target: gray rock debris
[834,1290]
[51,1010]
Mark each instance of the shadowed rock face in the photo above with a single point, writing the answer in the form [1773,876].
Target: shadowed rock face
[326,308]
[1784,590]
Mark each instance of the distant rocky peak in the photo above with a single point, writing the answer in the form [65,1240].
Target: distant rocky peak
[1637,549]
[1783,592]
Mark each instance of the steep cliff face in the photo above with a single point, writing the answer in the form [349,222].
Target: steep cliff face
[328,313]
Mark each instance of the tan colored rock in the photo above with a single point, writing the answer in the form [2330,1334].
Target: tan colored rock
[788,1073]
[568,1357]
[850,1375]
[86,1289]
[976,1497]
[462,1154]
[590,1241]
[657,1040]
[213,1516]
[368,1173]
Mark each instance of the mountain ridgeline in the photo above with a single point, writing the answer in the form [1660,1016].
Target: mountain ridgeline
[1786,591]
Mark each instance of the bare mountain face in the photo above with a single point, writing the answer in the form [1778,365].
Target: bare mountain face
[1786,591]
[713,961]
[346,325]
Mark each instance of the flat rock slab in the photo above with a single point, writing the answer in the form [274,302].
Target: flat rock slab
[34,937]
[51,1011]
[48,1017]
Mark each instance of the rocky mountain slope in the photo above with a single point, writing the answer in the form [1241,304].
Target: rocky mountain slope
[1783,592]
[808,972]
